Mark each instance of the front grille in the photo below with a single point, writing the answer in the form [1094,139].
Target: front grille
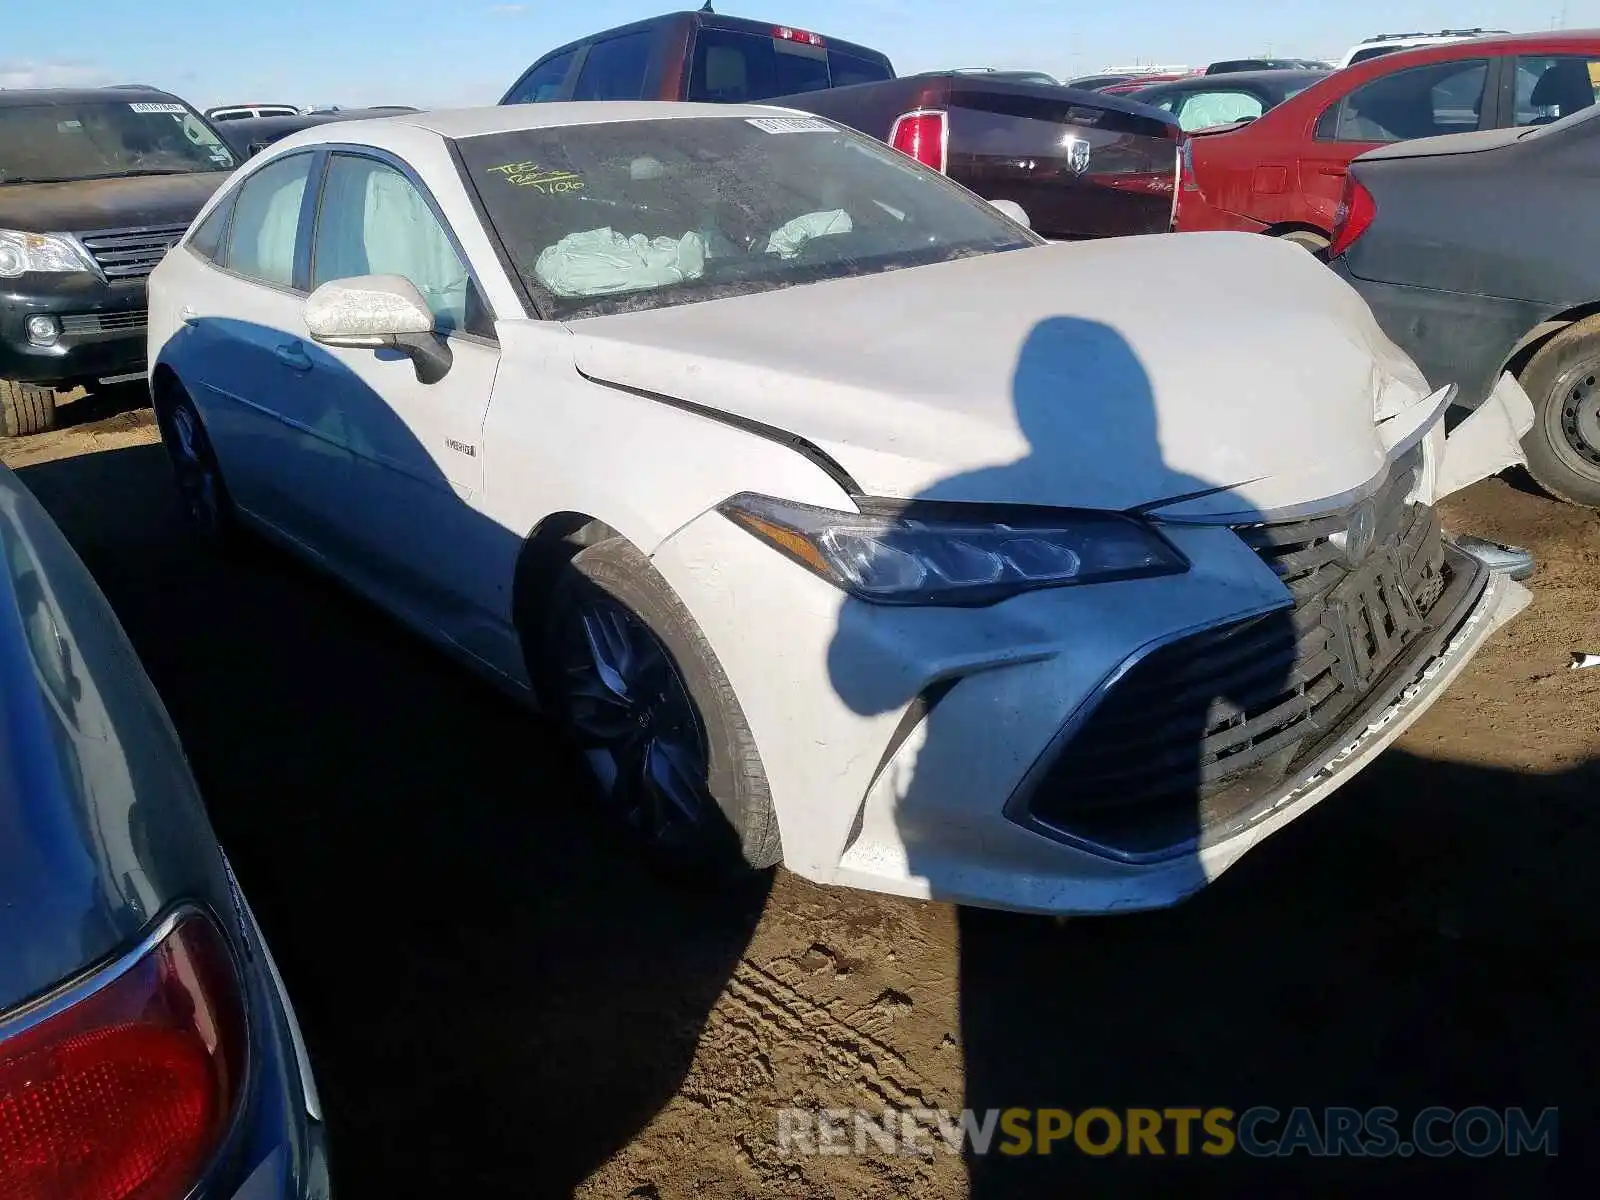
[82,324]
[1200,729]
[131,253]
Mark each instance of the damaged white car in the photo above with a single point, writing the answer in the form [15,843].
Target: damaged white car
[840,520]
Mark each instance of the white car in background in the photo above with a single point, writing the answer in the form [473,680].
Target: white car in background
[840,520]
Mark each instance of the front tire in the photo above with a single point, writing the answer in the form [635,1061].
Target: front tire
[26,408]
[201,491]
[638,690]
[1563,447]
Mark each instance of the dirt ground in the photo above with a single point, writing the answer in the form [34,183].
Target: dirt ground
[500,1003]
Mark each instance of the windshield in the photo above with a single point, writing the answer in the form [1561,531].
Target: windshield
[645,214]
[97,139]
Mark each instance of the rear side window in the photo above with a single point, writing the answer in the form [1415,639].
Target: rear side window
[730,67]
[544,81]
[1418,102]
[266,221]
[1554,86]
[615,68]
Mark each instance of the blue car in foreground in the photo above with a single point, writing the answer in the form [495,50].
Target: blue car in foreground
[148,1050]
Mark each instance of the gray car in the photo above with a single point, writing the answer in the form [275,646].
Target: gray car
[1480,254]
[147,1048]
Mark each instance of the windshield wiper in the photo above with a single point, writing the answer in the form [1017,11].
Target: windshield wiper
[36,179]
[153,171]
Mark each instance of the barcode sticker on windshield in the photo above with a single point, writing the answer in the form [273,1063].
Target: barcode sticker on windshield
[790,124]
[146,107]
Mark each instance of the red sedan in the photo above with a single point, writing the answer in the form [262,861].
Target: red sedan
[1283,173]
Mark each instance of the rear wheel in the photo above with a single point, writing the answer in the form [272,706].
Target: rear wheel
[636,686]
[26,408]
[195,470]
[1563,447]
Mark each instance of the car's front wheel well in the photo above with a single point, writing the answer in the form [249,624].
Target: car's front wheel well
[545,553]
[162,382]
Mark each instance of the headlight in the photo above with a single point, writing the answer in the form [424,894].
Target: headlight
[976,556]
[23,252]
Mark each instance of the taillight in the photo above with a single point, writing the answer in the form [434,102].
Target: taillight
[924,135]
[1357,209]
[127,1092]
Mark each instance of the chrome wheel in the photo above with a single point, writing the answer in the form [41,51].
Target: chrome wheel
[633,718]
[194,464]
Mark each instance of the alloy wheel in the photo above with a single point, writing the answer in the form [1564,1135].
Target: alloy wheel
[636,724]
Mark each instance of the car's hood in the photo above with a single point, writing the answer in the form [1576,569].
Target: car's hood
[119,203]
[1112,375]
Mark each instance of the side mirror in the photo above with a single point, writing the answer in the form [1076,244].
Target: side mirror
[1015,211]
[378,312]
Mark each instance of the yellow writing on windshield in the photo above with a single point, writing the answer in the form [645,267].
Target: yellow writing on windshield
[540,179]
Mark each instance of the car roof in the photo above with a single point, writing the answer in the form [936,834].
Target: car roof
[32,96]
[1201,83]
[460,123]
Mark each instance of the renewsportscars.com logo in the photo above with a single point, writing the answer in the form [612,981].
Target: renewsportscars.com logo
[1260,1132]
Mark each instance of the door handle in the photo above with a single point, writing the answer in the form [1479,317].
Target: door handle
[1336,172]
[292,356]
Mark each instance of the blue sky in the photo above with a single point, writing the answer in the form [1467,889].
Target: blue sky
[432,53]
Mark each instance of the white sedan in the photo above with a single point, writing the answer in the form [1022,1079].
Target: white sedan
[838,518]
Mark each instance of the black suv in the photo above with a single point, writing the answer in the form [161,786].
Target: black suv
[96,185]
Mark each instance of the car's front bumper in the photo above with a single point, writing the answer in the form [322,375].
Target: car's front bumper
[102,329]
[900,744]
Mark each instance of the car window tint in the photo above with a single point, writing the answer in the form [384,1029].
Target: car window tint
[266,220]
[544,81]
[207,240]
[1550,87]
[373,221]
[615,68]
[1204,110]
[1417,102]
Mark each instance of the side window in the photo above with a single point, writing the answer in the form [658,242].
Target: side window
[544,81]
[373,221]
[266,220]
[1417,102]
[1203,110]
[615,68]
[1555,86]
[207,240]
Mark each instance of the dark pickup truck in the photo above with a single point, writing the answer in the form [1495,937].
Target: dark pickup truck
[1080,164]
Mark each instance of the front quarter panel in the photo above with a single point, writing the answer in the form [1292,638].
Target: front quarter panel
[557,442]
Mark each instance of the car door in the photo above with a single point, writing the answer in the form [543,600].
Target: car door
[245,359]
[415,537]
[1436,98]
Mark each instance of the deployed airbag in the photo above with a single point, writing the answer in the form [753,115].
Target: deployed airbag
[599,262]
[788,239]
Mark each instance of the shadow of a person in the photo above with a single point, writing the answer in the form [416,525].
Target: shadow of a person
[1142,774]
